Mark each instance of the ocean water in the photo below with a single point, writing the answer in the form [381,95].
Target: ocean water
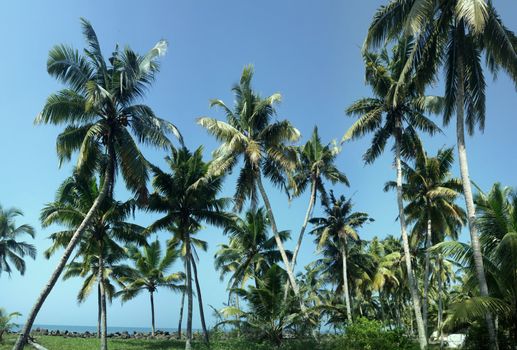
[93,329]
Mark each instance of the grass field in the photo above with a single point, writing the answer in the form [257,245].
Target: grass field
[61,343]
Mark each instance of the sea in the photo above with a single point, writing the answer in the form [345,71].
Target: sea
[93,329]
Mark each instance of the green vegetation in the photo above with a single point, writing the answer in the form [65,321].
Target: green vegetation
[385,293]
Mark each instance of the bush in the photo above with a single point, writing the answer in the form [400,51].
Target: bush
[365,334]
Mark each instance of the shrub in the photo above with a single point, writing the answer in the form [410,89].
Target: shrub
[366,334]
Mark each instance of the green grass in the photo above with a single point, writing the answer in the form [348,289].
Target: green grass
[61,343]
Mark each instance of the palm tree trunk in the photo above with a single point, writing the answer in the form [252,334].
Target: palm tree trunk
[200,301]
[181,314]
[345,284]
[108,179]
[469,201]
[312,200]
[427,272]
[411,279]
[440,300]
[152,314]
[188,256]
[104,335]
[99,315]
[279,243]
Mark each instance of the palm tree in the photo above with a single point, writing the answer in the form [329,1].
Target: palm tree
[100,112]
[385,277]
[269,315]
[149,274]
[497,223]
[11,250]
[431,193]
[250,134]
[396,111]
[316,164]
[334,230]
[454,34]
[5,321]
[177,243]
[188,197]
[250,251]
[107,228]
[88,269]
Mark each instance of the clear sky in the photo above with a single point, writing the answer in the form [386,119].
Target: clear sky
[307,50]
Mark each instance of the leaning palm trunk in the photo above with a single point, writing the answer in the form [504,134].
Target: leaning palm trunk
[188,345]
[200,301]
[412,285]
[181,314]
[312,200]
[345,284]
[153,330]
[279,243]
[104,338]
[427,271]
[106,186]
[469,201]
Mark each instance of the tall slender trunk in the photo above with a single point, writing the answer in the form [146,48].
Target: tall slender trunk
[345,283]
[279,243]
[108,179]
[440,301]
[99,316]
[104,335]
[181,314]
[427,269]
[188,256]
[411,279]
[469,200]
[153,329]
[312,200]
[200,302]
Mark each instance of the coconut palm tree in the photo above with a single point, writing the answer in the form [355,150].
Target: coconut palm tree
[188,198]
[11,250]
[454,34]
[108,228]
[396,112]
[176,242]
[101,112]
[269,315]
[5,321]
[88,269]
[250,251]
[431,193]
[250,134]
[497,223]
[150,273]
[334,230]
[316,165]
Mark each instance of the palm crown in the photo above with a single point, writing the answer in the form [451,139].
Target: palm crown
[251,251]
[451,33]
[431,192]
[99,107]
[250,133]
[13,251]
[403,105]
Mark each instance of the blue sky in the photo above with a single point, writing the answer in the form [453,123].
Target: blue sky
[307,50]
